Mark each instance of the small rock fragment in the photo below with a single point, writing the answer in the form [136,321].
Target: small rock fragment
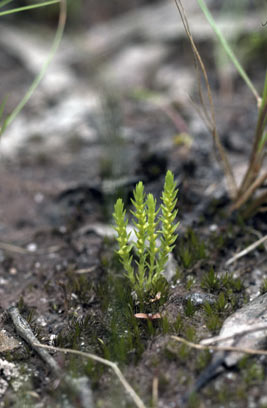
[7,343]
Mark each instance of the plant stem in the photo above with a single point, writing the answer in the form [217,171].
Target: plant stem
[30,7]
[39,77]
[140,231]
[227,48]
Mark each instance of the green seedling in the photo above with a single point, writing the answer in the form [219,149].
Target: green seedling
[152,226]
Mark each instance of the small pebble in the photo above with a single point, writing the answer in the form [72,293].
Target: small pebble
[199,299]
[13,271]
[32,247]
[38,198]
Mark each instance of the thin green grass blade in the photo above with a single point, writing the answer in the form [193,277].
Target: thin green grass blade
[39,77]
[2,107]
[31,6]
[264,95]
[2,120]
[263,109]
[227,48]
[4,3]
[263,141]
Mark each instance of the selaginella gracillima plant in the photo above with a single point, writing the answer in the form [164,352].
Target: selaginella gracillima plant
[155,233]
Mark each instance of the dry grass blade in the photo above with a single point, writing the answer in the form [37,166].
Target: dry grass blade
[155,392]
[13,248]
[219,348]
[210,119]
[19,250]
[257,155]
[218,339]
[250,190]
[137,400]
[246,250]
[256,204]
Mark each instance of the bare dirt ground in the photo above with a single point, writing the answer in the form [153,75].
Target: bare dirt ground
[59,267]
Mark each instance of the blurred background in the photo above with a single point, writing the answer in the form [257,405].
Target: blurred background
[118,102]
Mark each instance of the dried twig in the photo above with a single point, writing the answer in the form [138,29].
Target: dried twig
[155,392]
[25,331]
[257,155]
[246,250]
[86,270]
[24,251]
[79,386]
[209,118]
[219,348]
[256,205]
[218,339]
[138,402]
[13,248]
[250,190]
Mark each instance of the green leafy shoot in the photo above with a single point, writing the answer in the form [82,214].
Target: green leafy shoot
[155,232]
[123,239]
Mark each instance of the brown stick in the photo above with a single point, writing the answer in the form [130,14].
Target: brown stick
[219,348]
[137,400]
[252,188]
[212,123]
[256,157]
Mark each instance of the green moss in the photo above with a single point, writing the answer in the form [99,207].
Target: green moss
[189,308]
[189,283]
[214,283]
[202,360]
[263,288]
[185,255]
[183,353]
[210,281]
[214,314]
[223,395]
[190,333]
[178,325]
[254,374]
[193,401]
[213,323]
[165,325]
[190,249]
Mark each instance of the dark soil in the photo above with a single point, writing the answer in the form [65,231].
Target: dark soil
[68,283]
